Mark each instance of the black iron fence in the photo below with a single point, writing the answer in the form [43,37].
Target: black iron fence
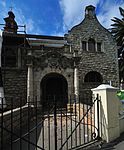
[54,125]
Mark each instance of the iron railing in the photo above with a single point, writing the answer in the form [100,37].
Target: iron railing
[50,126]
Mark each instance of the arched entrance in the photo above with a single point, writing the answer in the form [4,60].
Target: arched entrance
[54,88]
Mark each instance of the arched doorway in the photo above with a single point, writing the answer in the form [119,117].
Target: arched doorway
[54,88]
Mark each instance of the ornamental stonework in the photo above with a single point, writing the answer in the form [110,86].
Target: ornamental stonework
[53,59]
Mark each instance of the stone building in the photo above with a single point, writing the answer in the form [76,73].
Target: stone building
[38,67]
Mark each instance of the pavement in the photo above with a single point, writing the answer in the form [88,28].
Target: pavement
[117,144]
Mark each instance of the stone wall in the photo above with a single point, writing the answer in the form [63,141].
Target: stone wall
[15,86]
[105,61]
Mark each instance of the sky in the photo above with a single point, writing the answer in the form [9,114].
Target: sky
[56,17]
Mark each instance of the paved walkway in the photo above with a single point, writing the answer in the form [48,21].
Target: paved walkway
[117,144]
[45,136]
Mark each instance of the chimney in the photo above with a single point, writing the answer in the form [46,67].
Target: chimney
[90,12]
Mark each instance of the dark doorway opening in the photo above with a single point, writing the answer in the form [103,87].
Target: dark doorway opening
[54,89]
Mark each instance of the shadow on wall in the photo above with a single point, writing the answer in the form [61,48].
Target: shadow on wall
[25,128]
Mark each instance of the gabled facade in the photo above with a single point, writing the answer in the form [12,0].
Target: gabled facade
[38,68]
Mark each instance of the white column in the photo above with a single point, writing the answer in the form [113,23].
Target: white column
[2,98]
[76,83]
[76,92]
[76,76]
[109,112]
[30,81]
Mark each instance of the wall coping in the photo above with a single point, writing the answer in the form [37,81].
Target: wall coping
[15,110]
[104,87]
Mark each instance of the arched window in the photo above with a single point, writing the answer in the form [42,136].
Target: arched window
[91,45]
[93,76]
[84,46]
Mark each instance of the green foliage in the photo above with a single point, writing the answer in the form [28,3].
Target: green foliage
[120,95]
[118,32]
[118,28]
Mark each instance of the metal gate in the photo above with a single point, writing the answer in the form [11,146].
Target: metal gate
[51,127]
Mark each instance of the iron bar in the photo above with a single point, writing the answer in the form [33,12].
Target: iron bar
[55,123]
[87,135]
[84,124]
[2,124]
[91,126]
[21,138]
[61,126]
[28,122]
[43,126]
[97,98]
[94,117]
[36,120]
[66,128]
[71,120]
[75,120]
[76,126]
[49,134]
[80,124]
[12,123]
[20,123]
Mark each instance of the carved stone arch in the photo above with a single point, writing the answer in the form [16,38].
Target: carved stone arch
[39,75]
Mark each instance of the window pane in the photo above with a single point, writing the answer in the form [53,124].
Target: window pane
[91,45]
[84,45]
[99,47]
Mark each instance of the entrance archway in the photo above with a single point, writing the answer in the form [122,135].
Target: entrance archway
[54,88]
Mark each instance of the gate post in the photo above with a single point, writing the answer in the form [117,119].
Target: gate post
[109,112]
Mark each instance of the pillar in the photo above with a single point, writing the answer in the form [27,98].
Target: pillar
[30,79]
[76,83]
[2,97]
[76,76]
[109,112]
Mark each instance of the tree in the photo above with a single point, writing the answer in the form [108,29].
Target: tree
[118,32]
[118,28]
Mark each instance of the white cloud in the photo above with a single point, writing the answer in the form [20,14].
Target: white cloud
[73,13]
[31,26]
[74,10]
[108,13]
